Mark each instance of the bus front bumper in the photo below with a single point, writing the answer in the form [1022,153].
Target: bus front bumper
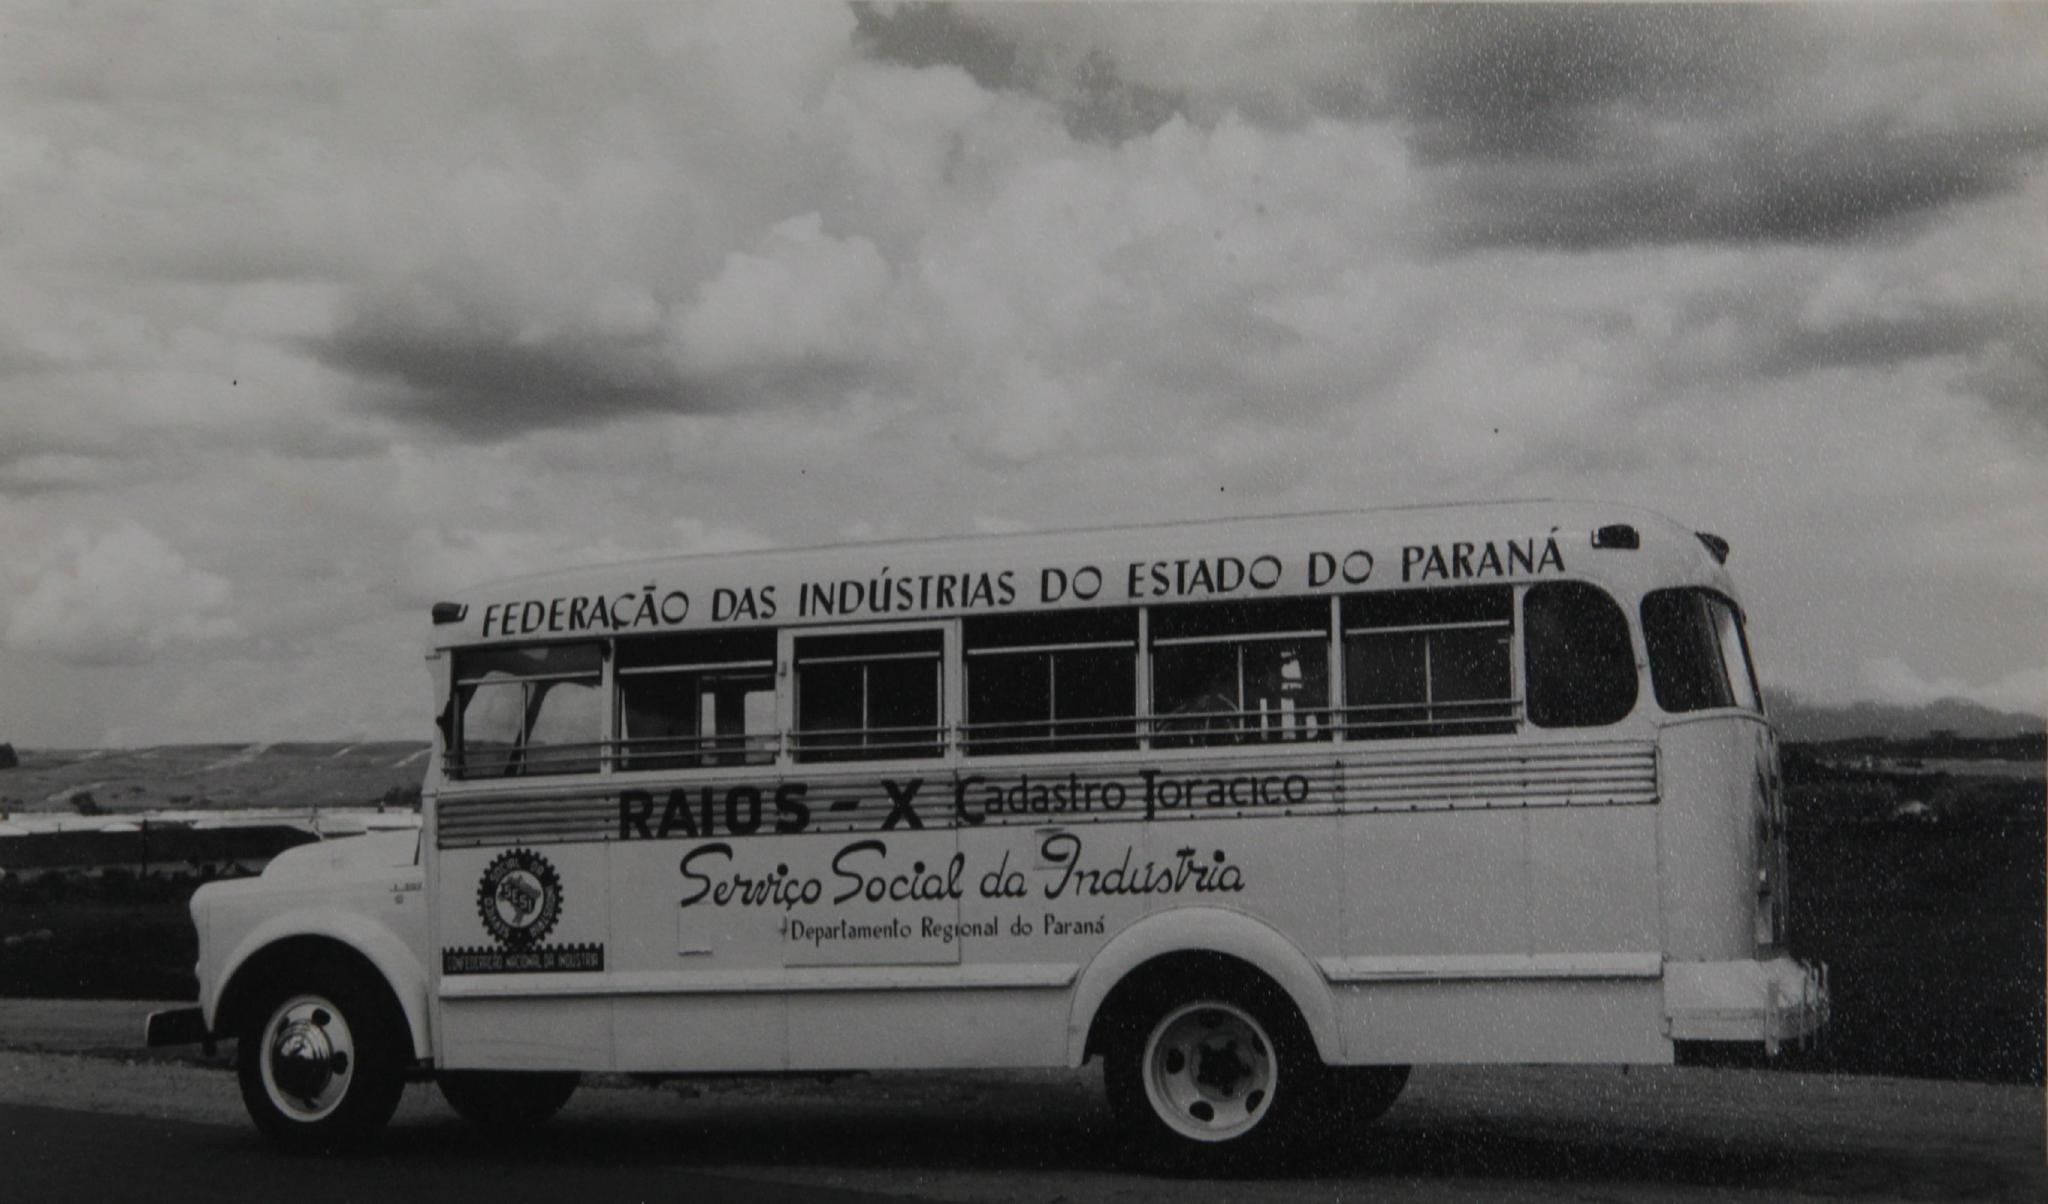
[179,1026]
[1745,1001]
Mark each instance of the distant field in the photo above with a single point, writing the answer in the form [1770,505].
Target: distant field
[1933,939]
[119,940]
[212,776]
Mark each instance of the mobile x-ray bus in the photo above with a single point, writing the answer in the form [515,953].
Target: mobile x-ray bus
[1260,813]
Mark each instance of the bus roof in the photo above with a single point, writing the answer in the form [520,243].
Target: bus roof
[1628,549]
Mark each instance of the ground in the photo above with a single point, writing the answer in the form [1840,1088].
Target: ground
[1009,1137]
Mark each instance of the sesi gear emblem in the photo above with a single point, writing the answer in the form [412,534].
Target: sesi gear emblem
[519,898]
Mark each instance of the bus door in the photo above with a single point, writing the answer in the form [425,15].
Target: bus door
[870,870]
[518,876]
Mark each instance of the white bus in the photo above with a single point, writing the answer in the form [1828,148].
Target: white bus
[1260,813]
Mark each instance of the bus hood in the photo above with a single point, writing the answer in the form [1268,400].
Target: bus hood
[373,854]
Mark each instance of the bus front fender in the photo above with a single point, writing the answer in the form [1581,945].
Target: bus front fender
[388,952]
[1205,930]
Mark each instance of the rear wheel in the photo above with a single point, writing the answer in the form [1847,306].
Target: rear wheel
[1219,1080]
[506,1099]
[321,1060]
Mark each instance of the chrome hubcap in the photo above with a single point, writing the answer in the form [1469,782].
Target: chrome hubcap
[308,1056]
[1209,1071]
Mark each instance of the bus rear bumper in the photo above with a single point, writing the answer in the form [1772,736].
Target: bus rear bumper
[1745,1001]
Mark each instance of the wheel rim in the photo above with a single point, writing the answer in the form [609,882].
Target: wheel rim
[1210,1071]
[308,1057]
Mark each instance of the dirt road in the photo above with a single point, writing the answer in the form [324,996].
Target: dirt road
[1459,1133]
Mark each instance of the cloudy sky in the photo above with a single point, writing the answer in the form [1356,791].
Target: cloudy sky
[307,317]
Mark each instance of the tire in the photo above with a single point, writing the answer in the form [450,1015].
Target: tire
[1219,1078]
[506,1099]
[322,1060]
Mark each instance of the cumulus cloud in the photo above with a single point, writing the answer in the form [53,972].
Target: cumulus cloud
[1563,125]
[802,298]
[440,561]
[695,535]
[1028,413]
[486,256]
[123,596]
[428,356]
[42,472]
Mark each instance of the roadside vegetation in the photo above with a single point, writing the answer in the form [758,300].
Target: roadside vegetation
[1923,894]
[115,936]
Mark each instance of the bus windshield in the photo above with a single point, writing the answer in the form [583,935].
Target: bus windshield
[1699,656]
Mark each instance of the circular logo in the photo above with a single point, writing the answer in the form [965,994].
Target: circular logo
[519,898]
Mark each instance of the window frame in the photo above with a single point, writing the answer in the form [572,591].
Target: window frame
[1748,662]
[1051,742]
[1431,726]
[1242,730]
[697,748]
[461,766]
[789,685]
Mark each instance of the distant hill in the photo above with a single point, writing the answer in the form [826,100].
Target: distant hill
[201,777]
[1815,723]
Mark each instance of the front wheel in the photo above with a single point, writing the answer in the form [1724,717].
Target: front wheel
[321,1064]
[506,1099]
[1221,1083]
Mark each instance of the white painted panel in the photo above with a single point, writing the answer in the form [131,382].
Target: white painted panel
[1478,1022]
[1714,768]
[504,913]
[526,1034]
[1593,879]
[1436,882]
[845,1030]
[699,1032]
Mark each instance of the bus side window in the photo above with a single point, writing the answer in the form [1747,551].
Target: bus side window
[1582,668]
[693,700]
[1429,663]
[869,697]
[1051,683]
[1240,673]
[532,710]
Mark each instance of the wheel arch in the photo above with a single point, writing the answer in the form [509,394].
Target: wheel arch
[280,947]
[1169,942]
